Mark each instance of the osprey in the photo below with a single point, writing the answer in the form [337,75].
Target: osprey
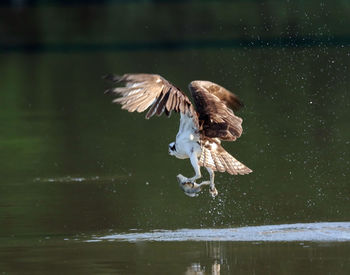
[202,126]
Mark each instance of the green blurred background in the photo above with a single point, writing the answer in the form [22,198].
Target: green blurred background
[74,164]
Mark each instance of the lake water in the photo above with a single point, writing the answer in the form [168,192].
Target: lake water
[89,188]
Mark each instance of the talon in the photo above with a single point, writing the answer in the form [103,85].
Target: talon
[213,192]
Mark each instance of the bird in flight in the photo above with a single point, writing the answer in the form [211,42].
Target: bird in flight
[203,125]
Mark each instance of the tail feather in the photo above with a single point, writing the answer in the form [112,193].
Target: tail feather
[214,156]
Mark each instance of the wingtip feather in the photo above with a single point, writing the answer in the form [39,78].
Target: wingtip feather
[112,77]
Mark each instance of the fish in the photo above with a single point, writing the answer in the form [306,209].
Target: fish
[189,187]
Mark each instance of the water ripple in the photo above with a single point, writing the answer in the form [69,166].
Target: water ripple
[317,232]
[71,179]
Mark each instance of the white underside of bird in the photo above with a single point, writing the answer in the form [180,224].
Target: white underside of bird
[187,145]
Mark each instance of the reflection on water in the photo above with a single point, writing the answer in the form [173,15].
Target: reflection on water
[214,251]
[198,269]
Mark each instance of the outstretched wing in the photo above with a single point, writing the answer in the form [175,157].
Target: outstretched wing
[142,91]
[216,157]
[213,104]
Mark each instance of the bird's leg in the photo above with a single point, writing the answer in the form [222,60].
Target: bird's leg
[194,162]
[212,189]
[188,185]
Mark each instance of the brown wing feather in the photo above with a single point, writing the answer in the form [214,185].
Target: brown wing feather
[213,104]
[230,99]
[143,91]
[214,156]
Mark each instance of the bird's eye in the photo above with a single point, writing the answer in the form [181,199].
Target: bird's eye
[173,148]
